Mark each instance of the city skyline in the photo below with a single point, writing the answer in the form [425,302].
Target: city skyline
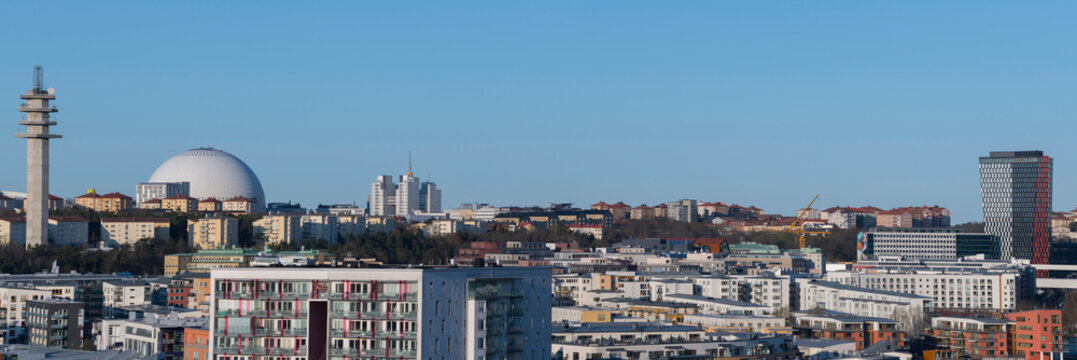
[641,114]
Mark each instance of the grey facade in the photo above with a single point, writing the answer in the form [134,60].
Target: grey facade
[56,323]
[37,137]
[1016,192]
[149,191]
[928,243]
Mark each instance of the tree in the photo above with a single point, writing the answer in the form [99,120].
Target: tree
[912,321]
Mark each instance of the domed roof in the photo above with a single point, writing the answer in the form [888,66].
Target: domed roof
[213,174]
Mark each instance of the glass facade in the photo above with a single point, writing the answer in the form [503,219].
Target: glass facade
[1016,192]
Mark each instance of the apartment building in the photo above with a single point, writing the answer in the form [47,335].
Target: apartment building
[240,205]
[210,205]
[957,289]
[319,226]
[68,230]
[665,341]
[111,202]
[682,210]
[179,203]
[832,325]
[156,191]
[213,232]
[399,313]
[278,229]
[826,295]
[55,323]
[128,231]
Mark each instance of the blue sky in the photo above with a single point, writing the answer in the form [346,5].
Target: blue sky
[764,103]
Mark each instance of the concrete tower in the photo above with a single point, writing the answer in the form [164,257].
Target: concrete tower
[37,137]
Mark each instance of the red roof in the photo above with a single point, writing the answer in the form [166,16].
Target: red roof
[2,197]
[661,206]
[54,197]
[88,196]
[642,206]
[14,219]
[115,195]
[179,197]
[209,200]
[600,204]
[239,199]
[620,205]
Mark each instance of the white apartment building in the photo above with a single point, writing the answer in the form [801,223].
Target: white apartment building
[13,307]
[150,337]
[719,306]
[1000,290]
[398,313]
[383,196]
[319,226]
[118,294]
[278,229]
[407,195]
[858,301]
[655,289]
[127,231]
[771,291]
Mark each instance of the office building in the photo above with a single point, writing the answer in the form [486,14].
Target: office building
[56,323]
[926,243]
[1016,191]
[383,196]
[128,231]
[150,191]
[429,197]
[398,313]
[999,289]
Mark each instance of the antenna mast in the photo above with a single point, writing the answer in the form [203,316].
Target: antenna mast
[39,78]
[409,162]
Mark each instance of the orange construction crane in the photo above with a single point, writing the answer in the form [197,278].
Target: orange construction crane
[801,240]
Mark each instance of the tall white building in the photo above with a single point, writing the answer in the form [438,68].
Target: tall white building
[407,195]
[397,313]
[383,196]
[682,210]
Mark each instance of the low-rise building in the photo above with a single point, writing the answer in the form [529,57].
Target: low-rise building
[737,323]
[159,336]
[594,230]
[662,341]
[196,343]
[240,205]
[826,295]
[128,231]
[179,203]
[120,294]
[111,202]
[209,205]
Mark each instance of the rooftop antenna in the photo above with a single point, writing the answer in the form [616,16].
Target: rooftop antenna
[39,78]
[409,162]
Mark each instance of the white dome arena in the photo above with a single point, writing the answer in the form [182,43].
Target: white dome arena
[213,174]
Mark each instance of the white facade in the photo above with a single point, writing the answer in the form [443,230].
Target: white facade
[13,300]
[149,191]
[124,293]
[857,300]
[451,313]
[737,323]
[383,196]
[998,290]
[771,291]
[407,195]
